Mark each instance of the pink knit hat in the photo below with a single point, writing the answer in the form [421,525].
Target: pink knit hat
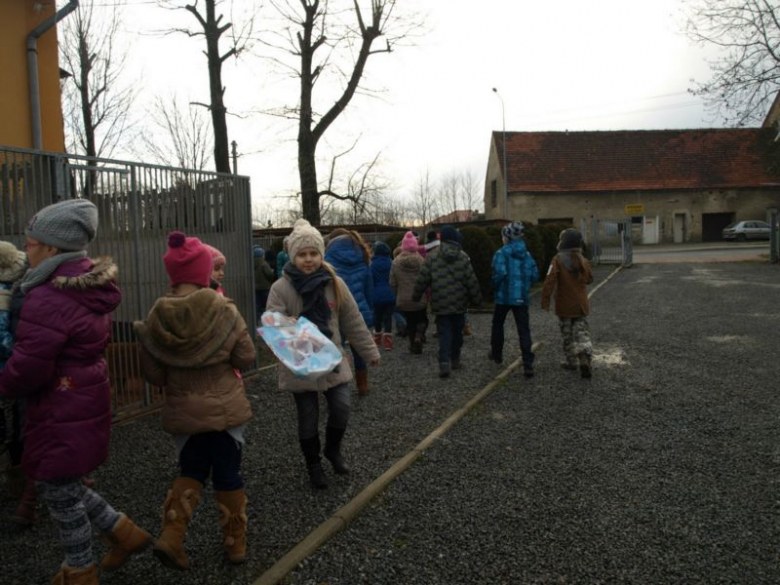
[409,243]
[187,260]
[216,255]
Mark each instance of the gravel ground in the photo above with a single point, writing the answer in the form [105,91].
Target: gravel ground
[661,469]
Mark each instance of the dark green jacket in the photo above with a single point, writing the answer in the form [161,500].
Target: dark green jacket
[264,274]
[451,278]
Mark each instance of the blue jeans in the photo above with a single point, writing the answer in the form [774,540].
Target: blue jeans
[450,336]
[308,405]
[383,317]
[520,313]
[215,453]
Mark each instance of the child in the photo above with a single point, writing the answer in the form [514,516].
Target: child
[264,277]
[310,287]
[384,297]
[348,254]
[403,275]
[514,271]
[218,271]
[568,277]
[13,264]
[192,343]
[58,362]
[450,276]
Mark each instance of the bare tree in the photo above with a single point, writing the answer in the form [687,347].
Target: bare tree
[448,192]
[470,190]
[181,137]
[423,205]
[212,28]
[97,103]
[334,36]
[746,75]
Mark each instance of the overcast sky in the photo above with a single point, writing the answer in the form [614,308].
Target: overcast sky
[557,64]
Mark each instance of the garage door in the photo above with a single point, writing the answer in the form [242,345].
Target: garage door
[712,224]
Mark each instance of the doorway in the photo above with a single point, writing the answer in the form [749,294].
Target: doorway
[678,228]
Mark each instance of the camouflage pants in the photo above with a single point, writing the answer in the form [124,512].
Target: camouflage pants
[576,339]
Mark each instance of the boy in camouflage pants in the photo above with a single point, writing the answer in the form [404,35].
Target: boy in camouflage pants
[568,277]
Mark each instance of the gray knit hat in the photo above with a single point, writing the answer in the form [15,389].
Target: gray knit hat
[69,225]
[304,235]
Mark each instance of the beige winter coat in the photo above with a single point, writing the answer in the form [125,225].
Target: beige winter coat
[570,289]
[347,319]
[192,346]
[403,275]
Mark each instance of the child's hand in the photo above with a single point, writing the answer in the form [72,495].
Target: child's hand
[374,362]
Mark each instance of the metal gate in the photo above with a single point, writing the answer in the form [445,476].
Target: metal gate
[611,242]
[138,205]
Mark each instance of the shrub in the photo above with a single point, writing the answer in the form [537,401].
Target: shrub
[394,239]
[480,248]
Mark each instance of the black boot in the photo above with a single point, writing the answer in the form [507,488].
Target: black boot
[311,451]
[333,438]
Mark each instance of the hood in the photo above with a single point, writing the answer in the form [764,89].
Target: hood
[343,251]
[409,262]
[13,263]
[381,262]
[517,248]
[187,331]
[91,283]
[381,249]
[450,251]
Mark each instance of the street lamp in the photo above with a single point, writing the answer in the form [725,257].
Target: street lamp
[503,148]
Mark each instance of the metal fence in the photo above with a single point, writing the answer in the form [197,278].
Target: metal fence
[138,205]
[611,242]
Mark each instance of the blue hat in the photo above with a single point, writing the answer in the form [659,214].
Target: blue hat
[450,234]
[258,252]
[381,249]
[512,231]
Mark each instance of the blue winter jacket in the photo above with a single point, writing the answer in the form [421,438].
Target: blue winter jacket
[514,271]
[380,268]
[347,259]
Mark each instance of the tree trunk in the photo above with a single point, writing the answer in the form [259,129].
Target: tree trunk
[218,110]
[307,142]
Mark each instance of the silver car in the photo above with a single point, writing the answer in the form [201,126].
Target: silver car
[747,230]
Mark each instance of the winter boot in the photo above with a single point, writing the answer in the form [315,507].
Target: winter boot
[126,539]
[378,339]
[311,451]
[415,345]
[69,576]
[28,502]
[333,438]
[444,370]
[387,341]
[14,482]
[568,365]
[585,369]
[183,498]
[467,330]
[232,509]
[361,379]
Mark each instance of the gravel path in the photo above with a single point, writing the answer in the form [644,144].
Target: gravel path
[661,469]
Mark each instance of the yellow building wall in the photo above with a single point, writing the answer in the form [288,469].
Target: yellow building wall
[17,19]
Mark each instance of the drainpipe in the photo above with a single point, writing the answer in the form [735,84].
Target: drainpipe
[32,68]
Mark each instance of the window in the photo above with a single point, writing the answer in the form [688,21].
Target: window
[493,193]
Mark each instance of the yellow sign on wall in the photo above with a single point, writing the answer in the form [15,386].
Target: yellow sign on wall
[634,209]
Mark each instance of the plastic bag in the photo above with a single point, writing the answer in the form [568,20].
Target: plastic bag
[299,345]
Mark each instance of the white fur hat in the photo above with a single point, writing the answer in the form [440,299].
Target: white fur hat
[13,263]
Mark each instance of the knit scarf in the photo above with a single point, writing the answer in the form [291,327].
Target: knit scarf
[41,273]
[311,287]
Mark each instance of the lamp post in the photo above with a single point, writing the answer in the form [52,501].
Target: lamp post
[503,156]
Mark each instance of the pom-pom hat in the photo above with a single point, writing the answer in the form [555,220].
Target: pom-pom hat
[409,242]
[304,235]
[188,260]
[217,256]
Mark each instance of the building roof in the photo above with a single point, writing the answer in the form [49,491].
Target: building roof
[638,159]
[459,216]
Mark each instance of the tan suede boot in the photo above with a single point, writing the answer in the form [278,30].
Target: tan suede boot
[25,512]
[232,509]
[68,576]
[361,379]
[182,500]
[126,539]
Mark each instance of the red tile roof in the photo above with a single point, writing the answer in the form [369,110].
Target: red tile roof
[638,159]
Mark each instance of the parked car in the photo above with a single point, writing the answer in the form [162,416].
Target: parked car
[747,230]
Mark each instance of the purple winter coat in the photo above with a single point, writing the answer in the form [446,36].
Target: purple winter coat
[58,366]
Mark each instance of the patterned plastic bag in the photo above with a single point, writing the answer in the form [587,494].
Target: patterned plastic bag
[299,345]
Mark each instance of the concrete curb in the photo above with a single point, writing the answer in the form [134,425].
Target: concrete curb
[352,509]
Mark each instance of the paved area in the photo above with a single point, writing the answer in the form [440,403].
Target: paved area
[663,468]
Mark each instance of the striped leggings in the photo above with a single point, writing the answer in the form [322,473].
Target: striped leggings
[73,507]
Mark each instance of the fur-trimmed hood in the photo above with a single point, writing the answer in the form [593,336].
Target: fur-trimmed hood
[91,283]
[188,331]
[13,263]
